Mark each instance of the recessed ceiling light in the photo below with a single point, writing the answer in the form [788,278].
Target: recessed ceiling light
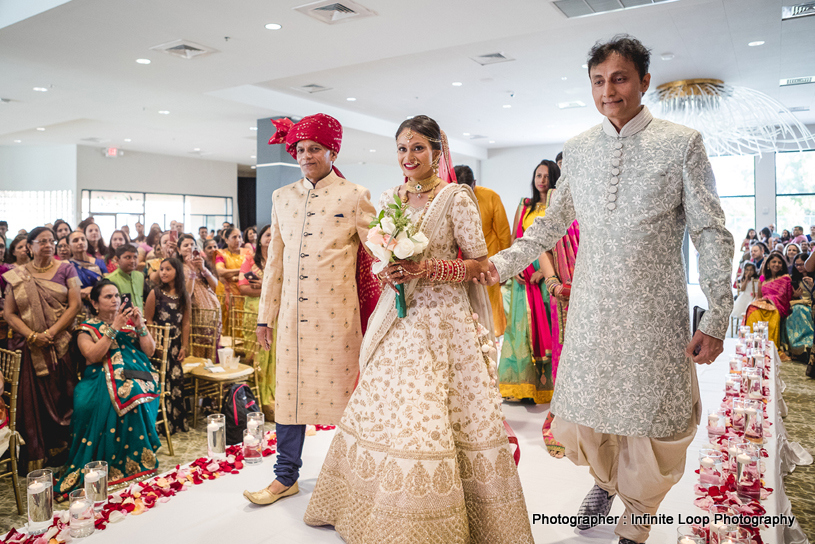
[197,149]
[253,156]
[492,141]
[507,106]
[273,26]
[18,141]
[564,78]
[754,44]
[351,99]
[41,89]
[41,129]
[372,150]
[164,112]
[253,167]
[253,128]
[572,104]
[584,65]
[457,84]
[409,117]
[128,140]
[667,56]
[143,61]
[466,133]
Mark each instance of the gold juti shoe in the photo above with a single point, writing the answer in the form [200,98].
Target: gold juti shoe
[264,496]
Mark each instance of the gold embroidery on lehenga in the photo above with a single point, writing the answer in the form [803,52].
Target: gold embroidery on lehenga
[366,466]
[418,481]
[504,464]
[482,468]
[442,478]
[391,479]
[464,466]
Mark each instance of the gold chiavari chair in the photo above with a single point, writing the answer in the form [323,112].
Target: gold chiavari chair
[161,335]
[204,333]
[244,324]
[236,315]
[10,367]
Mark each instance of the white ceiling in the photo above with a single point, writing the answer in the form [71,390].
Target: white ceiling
[401,62]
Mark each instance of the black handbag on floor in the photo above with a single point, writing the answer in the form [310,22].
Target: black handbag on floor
[238,401]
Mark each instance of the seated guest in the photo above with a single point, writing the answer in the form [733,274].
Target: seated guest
[42,300]
[89,270]
[115,403]
[200,282]
[776,294]
[3,266]
[63,249]
[799,325]
[169,304]
[757,255]
[127,279]
[790,252]
[210,254]
[4,228]
[167,249]
[62,229]
[139,232]
[117,239]
[16,251]
[250,281]
[786,237]
[96,246]
[250,240]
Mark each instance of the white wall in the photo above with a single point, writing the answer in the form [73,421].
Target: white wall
[377,178]
[153,173]
[38,168]
[508,171]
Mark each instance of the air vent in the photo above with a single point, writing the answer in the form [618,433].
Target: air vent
[311,88]
[800,10]
[584,8]
[491,58]
[572,104]
[477,136]
[95,140]
[797,81]
[796,109]
[331,12]
[184,49]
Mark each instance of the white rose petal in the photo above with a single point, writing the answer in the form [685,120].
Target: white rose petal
[379,252]
[378,266]
[404,249]
[387,225]
[420,241]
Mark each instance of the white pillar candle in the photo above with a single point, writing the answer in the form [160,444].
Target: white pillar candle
[250,441]
[252,424]
[79,506]
[743,458]
[686,540]
[712,419]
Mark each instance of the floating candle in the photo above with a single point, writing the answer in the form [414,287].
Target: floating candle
[212,427]
[707,462]
[743,458]
[92,476]
[713,419]
[36,487]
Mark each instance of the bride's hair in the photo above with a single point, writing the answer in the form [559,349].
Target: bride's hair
[425,126]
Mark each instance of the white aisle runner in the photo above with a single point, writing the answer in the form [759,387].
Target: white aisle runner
[216,512]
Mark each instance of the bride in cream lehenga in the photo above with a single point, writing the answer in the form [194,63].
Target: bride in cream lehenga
[421,453]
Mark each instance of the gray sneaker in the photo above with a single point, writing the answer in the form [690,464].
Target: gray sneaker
[597,503]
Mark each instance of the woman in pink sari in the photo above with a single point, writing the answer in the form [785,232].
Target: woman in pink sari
[776,294]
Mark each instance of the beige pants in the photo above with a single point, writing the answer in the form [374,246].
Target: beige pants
[640,470]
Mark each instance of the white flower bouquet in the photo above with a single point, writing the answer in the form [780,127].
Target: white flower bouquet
[395,236]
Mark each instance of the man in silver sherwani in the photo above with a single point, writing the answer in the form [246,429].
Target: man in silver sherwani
[626,400]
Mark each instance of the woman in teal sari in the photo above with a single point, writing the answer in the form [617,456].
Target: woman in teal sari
[799,325]
[116,402]
[525,369]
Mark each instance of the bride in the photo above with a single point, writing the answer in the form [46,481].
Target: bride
[421,454]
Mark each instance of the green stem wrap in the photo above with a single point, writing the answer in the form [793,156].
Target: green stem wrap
[401,304]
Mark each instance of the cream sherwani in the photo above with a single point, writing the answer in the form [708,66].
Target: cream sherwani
[310,290]
[626,397]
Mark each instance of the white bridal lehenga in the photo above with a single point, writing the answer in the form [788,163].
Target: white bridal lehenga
[421,454]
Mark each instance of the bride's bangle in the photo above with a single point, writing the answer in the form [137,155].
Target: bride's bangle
[447,271]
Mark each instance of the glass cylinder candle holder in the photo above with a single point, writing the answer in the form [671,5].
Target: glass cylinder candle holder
[96,482]
[733,445]
[40,491]
[741,346]
[216,436]
[710,468]
[737,417]
[715,424]
[251,448]
[732,386]
[720,515]
[758,358]
[744,330]
[748,472]
[735,365]
[754,422]
[688,534]
[254,423]
[738,535]
[753,388]
[81,510]
[765,330]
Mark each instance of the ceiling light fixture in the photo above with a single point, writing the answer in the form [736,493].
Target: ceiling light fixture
[584,65]
[572,104]
[507,106]
[41,129]
[197,149]
[733,120]
[18,141]
[41,89]
[457,84]
[667,56]
[253,128]
[466,133]
[143,61]
[128,140]
[164,112]
[351,99]
[492,141]
[273,26]
[564,78]
[372,150]
[253,156]
[756,44]
[253,167]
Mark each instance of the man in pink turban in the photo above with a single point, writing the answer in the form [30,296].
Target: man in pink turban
[313,302]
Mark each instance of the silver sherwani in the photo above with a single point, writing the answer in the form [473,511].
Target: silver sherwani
[623,369]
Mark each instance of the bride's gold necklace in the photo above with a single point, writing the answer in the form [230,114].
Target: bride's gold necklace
[423,185]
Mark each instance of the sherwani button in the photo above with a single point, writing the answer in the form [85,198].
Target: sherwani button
[612,189]
[618,153]
[612,197]
[615,181]
[618,145]
[611,206]
[615,162]
[615,171]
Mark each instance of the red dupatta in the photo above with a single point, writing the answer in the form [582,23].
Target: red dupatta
[539,332]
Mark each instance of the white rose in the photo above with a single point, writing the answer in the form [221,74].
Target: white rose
[404,249]
[387,225]
[420,242]
[384,255]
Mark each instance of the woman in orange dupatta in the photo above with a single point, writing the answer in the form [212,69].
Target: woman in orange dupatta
[776,295]
[42,300]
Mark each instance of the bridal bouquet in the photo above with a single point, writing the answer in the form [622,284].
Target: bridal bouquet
[394,235]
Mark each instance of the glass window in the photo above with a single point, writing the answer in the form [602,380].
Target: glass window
[735,175]
[116,202]
[795,211]
[795,174]
[30,209]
